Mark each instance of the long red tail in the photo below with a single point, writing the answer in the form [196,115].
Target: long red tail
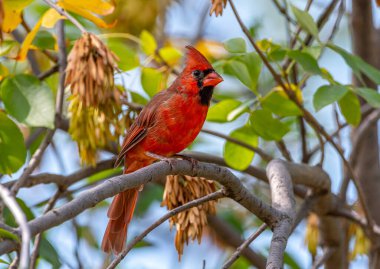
[120,215]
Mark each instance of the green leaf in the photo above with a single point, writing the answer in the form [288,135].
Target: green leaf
[231,219]
[44,40]
[4,262]
[266,126]
[12,147]
[148,43]
[308,63]
[104,174]
[4,234]
[290,261]
[170,55]
[220,111]
[235,113]
[152,193]
[246,68]
[306,21]
[279,104]
[49,254]
[138,98]
[6,46]
[370,95]
[151,80]
[357,64]
[241,263]
[128,58]
[239,157]
[28,100]
[328,94]
[143,244]
[235,45]
[86,233]
[350,107]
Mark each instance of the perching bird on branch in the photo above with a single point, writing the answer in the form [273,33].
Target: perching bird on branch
[167,125]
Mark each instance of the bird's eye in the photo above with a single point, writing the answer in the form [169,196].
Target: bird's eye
[196,73]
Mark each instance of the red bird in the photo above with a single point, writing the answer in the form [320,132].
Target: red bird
[167,125]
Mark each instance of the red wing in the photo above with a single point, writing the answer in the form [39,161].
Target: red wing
[139,128]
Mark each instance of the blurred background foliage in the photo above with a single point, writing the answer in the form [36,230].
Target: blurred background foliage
[146,39]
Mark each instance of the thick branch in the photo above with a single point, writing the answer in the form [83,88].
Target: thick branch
[117,184]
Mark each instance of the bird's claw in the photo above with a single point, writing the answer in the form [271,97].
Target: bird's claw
[194,162]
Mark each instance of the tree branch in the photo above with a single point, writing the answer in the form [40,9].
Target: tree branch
[244,245]
[156,171]
[212,196]
[20,218]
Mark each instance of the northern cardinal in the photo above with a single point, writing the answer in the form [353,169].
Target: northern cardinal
[166,126]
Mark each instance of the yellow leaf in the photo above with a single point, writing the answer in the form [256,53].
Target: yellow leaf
[100,7]
[148,43]
[50,18]
[211,49]
[170,55]
[12,13]
[292,87]
[86,14]
[28,41]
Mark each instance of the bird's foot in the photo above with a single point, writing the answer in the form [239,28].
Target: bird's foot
[168,160]
[194,162]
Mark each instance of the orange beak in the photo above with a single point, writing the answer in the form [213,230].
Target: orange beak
[212,79]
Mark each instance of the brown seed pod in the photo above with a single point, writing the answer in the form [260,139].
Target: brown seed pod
[90,70]
[191,223]
[217,7]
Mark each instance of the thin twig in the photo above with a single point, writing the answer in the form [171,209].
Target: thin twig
[213,196]
[67,15]
[243,246]
[284,150]
[20,218]
[33,163]
[328,251]
[37,241]
[48,73]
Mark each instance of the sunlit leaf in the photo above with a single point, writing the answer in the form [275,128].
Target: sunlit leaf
[280,104]
[308,63]
[104,174]
[370,95]
[12,13]
[51,17]
[350,107]
[328,94]
[4,262]
[220,111]
[28,100]
[357,64]
[128,58]
[266,126]
[152,81]
[246,68]
[100,7]
[235,45]
[170,55]
[28,41]
[80,8]
[148,43]
[137,98]
[306,21]
[12,148]
[236,156]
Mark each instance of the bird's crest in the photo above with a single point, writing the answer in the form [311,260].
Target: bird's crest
[195,60]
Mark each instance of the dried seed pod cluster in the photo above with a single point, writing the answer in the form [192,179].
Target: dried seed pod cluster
[217,7]
[90,70]
[189,224]
[312,234]
[362,244]
[95,102]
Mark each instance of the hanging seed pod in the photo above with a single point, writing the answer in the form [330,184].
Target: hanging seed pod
[217,7]
[90,68]
[191,223]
